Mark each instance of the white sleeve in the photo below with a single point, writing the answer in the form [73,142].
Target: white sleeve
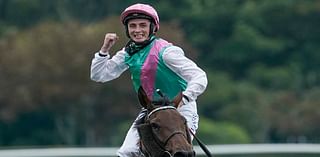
[104,69]
[196,78]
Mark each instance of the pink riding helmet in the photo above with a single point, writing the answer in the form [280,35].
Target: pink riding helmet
[141,9]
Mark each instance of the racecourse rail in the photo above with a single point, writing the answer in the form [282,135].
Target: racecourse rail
[227,149]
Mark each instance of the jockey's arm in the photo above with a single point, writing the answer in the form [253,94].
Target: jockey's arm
[196,78]
[104,68]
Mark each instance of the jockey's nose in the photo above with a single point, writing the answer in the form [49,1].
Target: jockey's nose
[184,154]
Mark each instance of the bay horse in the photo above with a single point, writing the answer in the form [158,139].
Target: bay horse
[164,131]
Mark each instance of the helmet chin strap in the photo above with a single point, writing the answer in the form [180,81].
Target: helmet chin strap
[132,47]
[152,30]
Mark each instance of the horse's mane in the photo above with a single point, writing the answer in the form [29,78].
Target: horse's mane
[140,121]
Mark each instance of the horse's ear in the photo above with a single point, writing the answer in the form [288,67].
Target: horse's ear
[176,101]
[143,98]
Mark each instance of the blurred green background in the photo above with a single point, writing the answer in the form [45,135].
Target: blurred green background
[262,59]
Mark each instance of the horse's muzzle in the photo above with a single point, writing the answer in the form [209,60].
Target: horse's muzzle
[184,154]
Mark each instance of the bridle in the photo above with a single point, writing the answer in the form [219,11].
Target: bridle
[159,109]
[162,144]
[175,132]
[147,135]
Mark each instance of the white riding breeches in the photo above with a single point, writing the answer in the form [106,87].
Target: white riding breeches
[130,146]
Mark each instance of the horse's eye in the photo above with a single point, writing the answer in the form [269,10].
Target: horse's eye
[155,126]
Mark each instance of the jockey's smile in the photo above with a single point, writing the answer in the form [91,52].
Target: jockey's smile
[139,30]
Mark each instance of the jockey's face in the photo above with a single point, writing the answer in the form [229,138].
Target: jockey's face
[139,30]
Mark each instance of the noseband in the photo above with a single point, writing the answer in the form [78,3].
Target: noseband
[174,133]
[145,130]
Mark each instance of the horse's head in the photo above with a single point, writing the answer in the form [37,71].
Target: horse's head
[165,131]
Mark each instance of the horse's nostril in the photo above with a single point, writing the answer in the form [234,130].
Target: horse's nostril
[184,154]
[193,154]
[180,154]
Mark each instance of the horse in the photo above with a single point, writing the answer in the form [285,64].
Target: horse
[164,131]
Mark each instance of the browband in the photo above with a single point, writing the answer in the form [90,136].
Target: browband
[160,108]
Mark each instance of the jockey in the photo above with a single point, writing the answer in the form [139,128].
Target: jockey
[154,63]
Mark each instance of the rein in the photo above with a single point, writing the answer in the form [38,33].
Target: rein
[201,144]
[162,145]
[157,147]
[173,134]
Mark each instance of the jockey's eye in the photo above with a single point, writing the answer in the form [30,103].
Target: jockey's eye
[155,126]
